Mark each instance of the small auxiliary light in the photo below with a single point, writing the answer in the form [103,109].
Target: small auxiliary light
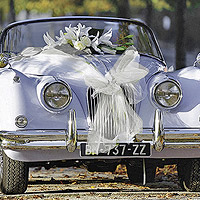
[21,121]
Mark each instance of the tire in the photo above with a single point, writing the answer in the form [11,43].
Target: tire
[13,176]
[189,174]
[135,171]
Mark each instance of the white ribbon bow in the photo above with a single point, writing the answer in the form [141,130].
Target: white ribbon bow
[115,120]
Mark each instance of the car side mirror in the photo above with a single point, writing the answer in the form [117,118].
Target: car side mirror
[197,61]
[3,60]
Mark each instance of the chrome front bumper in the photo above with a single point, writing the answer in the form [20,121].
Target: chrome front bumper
[42,140]
[62,139]
[47,139]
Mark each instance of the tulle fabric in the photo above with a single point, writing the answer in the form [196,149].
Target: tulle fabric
[115,119]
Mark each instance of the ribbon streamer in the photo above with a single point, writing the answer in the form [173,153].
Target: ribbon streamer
[115,120]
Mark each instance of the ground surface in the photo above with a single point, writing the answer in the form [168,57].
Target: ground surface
[77,183]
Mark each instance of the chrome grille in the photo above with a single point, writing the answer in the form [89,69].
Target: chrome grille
[106,120]
[101,121]
[92,103]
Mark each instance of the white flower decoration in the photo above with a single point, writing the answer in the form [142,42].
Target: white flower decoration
[49,41]
[79,45]
[105,38]
[79,38]
[86,41]
[62,38]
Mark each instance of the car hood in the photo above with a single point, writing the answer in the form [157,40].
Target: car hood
[54,62]
[65,67]
[71,68]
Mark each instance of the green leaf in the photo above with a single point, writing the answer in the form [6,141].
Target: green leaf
[129,36]
[70,42]
[120,48]
[129,43]
[126,37]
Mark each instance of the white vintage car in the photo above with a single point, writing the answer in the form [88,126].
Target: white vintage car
[94,91]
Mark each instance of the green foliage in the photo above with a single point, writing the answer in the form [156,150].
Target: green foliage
[161,4]
[63,7]
[4,8]
[124,45]
[124,39]
[84,7]
[59,7]
[193,3]
[137,3]
[171,4]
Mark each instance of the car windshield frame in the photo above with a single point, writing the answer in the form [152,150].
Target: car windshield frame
[148,32]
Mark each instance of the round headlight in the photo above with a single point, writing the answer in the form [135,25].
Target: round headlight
[57,95]
[167,94]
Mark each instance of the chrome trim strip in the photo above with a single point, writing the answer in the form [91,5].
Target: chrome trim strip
[182,145]
[34,145]
[171,135]
[158,131]
[71,140]
[30,136]
[40,135]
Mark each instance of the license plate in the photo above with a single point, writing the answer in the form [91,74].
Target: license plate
[122,149]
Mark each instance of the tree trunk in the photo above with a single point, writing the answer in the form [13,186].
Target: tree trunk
[149,12]
[1,18]
[123,8]
[27,14]
[11,16]
[180,34]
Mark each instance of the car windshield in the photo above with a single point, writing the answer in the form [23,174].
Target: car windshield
[124,33]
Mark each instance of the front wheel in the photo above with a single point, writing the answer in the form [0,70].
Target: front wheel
[189,174]
[13,176]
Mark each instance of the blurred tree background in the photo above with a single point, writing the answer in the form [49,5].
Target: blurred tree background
[175,22]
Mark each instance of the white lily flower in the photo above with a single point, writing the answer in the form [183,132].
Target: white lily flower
[49,41]
[95,43]
[77,33]
[83,30]
[198,58]
[86,41]
[96,48]
[62,39]
[70,35]
[96,38]
[108,50]
[79,38]
[87,50]
[71,28]
[105,38]
[79,45]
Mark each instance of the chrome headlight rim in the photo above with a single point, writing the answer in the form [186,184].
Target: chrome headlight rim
[158,104]
[44,102]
